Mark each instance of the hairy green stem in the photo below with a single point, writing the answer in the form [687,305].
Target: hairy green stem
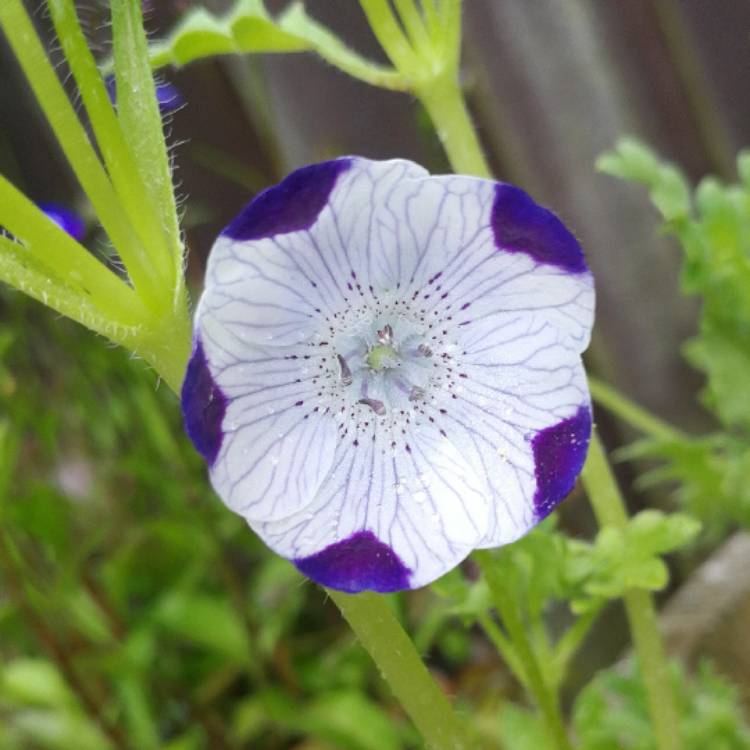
[148,262]
[544,696]
[65,258]
[610,510]
[70,133]
[393,652]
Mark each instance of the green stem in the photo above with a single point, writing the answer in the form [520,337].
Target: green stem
[609,508]
[630,412]
[545,698]
[567,647]
[140,118]
[505,648]
[21,270]
[392,39]
[393,652]
[444,102]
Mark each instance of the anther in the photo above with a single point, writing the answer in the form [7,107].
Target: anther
[424,350]
[345,374]
[377,406]
[385,336]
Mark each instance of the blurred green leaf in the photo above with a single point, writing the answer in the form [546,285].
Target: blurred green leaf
[206,621]
[34,682]
[520,729]
[612,712]
[350,720]
[58,730]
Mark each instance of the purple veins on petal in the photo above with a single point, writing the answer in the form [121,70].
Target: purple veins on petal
[292,205]
[559,453]
[203,406]
[360,563]
[66,219]
[522,226]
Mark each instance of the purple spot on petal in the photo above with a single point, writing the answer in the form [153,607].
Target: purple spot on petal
[203,406]
[67,220]
[559,453]
[290,206]
[360,563]
[522,226]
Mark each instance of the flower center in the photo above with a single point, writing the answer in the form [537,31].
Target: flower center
[382,357]
[387,364]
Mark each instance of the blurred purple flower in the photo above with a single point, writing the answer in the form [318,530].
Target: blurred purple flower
[167,94]
[66,219]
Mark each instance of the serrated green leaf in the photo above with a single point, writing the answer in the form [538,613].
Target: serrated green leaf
[622,559]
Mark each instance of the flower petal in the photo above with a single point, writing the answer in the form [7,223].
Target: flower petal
[255,418]
[204,406]
[524,421]
[386,519]
[522,226]
[294,253]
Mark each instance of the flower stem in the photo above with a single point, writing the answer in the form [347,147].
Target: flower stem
[609,508]
[545,697]
[444,102]
[393,651]
[631,413]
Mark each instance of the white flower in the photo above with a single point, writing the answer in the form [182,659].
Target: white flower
[386,370]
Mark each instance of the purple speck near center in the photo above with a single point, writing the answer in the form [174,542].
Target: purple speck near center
[559,453]
[292,205]
[360,563]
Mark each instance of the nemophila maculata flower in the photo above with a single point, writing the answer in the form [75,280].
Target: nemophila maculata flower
[386,371]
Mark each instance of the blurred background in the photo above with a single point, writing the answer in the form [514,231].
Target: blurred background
[123,577]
